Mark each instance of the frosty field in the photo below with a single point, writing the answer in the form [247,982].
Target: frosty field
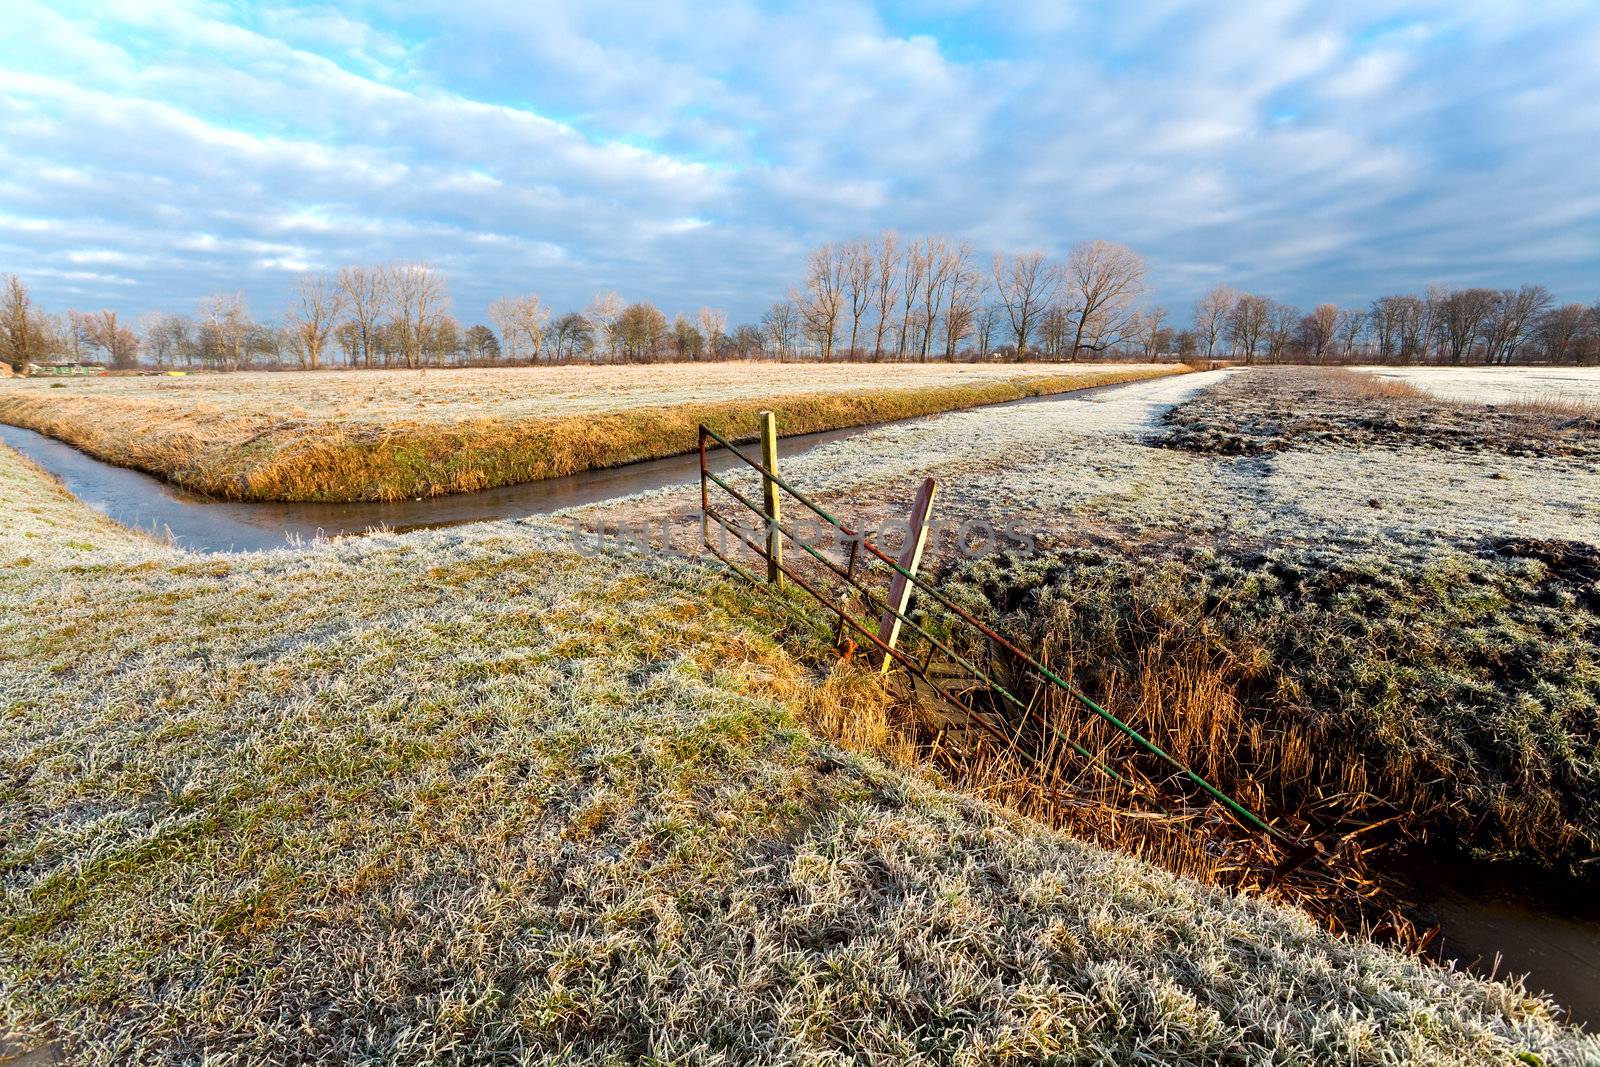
[1096,468]
[1235,505]
[465,795]
[385,435]
[1499,385]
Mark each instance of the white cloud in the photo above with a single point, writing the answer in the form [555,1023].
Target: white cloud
[687,154]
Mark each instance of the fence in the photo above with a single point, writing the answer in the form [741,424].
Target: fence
[999,710]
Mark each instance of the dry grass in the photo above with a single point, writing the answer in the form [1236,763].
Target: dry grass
[389,435]
[1556,408]
[465,797]
[1461,693]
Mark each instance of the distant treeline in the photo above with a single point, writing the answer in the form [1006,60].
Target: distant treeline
[870,299]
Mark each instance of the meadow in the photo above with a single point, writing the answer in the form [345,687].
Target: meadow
[385,435]
[465,795]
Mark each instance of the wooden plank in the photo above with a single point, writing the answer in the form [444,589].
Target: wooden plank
[910,559]
[769,492]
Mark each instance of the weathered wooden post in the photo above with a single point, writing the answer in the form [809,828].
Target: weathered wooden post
[910,559]
[769,492]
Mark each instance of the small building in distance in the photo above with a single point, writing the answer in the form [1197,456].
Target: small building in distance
[57,368]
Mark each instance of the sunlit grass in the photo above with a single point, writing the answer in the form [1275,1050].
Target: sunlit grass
[394,434]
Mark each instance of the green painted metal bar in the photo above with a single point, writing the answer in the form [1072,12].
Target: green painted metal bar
[1239,811]
[933,641]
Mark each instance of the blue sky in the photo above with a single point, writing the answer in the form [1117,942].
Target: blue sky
[154,151]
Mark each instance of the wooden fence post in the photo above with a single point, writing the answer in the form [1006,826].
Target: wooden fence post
[769,491]
[910,559]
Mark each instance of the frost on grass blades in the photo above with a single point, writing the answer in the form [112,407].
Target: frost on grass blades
[483,701]
[971,538]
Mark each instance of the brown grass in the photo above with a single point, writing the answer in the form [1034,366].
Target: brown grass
[1555,408]
[257,453]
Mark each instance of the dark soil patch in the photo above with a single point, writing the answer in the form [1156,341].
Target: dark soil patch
[1270,409]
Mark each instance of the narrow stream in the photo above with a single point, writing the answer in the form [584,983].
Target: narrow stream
[1487,924]
[205,524]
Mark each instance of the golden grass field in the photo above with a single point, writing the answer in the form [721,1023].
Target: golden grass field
[385,435]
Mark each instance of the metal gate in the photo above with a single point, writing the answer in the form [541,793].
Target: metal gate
[964,679]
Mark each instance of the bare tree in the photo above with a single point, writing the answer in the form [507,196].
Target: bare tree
[1461,317]
[782,326]
[1211,316]
[967,290]
[1282,322]
[319,304]
[227,315]
[1413,326]
[1319,329]
[944,263]
[120,344]
[713,325]
[985,321]
[913,265]
[1247,325]
[886,267]
[823,299]
[418,299]
[1561,331]
[366,295]
[1351,326]
[1055,326]
[1152,331]
[859,274]
[1103,283]
[166,337]
[1514,315]
[1026,284]
[23,330]
[521,321]
[605,312]
[1386,316]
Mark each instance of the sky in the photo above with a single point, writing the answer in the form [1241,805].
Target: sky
[154,151]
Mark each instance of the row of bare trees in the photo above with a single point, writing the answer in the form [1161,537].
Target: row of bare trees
[887,298]
[877,298]
[1441,325]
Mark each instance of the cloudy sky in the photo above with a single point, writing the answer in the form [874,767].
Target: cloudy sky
[152,151]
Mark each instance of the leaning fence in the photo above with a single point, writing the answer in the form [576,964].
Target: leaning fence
[914,605]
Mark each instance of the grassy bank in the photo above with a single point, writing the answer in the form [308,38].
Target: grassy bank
[259,446]
[467,797]
[1460,691]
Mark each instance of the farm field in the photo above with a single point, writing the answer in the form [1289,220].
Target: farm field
[1499,385]
[384,435]
[1112,468]
[409,796]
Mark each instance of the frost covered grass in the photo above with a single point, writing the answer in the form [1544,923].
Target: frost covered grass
[1094,469]
[463,796]
[1578,386]
[386,435]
